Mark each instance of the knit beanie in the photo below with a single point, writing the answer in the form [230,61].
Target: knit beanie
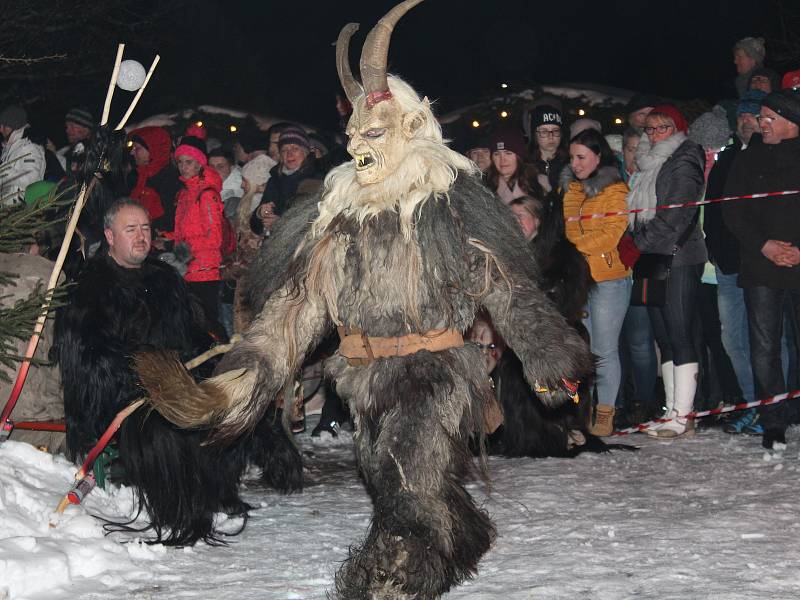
[508,139]
[80,116]
[582,125]
[753,47]
[545,115]
[750,102]
[14,116]
[791,80]
[294,135]
[711,129]
[193,148]
[786,103]
[674,114]
[257,170]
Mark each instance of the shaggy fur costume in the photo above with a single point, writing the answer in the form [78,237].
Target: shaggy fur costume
[113,313]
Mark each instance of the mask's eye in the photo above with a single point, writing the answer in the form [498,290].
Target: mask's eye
[374,133]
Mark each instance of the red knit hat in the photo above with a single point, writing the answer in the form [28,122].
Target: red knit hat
[791,80]
[193,148]
[673,113]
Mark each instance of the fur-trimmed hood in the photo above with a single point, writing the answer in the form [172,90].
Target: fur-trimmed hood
[592,186]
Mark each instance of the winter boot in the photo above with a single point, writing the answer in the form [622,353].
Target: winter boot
[685,388]
[603,421]
[668,377]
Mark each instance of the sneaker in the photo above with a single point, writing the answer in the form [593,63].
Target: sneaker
[746,419]
[754,428]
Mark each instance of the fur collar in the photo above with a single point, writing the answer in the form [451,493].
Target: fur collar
[603,177]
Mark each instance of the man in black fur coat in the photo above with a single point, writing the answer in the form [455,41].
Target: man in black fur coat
[123,302]
[398,251]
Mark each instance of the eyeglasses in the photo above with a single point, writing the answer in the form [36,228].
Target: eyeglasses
[485,347]
[658,128]
[764,119]
[548,133]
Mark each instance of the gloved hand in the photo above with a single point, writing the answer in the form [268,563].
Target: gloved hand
[628,252]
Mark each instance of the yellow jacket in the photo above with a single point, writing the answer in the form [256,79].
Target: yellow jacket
[597,239]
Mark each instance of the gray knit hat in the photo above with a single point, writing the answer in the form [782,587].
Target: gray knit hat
[80,116]
[711,129]
[753,47]
[14,116]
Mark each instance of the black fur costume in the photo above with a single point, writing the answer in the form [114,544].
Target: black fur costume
[112,313]
[413,414]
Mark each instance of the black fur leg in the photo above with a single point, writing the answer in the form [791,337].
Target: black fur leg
[273,451]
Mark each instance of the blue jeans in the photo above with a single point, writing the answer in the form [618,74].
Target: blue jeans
[735,338]
[608,303]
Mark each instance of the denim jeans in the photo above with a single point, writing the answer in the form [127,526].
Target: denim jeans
[639,344]
[735,338]
[608,303]
[673,322]
[765,313]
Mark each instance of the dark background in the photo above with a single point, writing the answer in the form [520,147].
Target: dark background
[275,57]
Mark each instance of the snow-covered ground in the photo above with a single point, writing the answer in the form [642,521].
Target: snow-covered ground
[711,517]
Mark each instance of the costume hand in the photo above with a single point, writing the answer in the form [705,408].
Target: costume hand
[628,252]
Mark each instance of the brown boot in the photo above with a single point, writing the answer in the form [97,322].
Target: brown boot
[603,421]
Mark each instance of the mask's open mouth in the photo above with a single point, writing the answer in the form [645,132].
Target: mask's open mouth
[364,161]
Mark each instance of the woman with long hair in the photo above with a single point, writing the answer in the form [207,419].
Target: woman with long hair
[671,172]
[592,185]
[511,173]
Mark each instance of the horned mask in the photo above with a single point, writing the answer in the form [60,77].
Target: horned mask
[379,129]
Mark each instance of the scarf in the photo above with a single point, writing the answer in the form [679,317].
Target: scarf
[649,159]
[508,194]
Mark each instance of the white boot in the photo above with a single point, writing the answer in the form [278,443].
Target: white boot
[668,377]
[685,388]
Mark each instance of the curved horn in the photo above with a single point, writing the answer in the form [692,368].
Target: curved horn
[351,87]
[375,54]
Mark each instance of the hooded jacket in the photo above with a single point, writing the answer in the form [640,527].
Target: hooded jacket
[198,223]
[23,163]
[597,239]
[157,181]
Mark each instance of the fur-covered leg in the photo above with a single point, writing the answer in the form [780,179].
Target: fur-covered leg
[181,483]
[273,451]
[426,534]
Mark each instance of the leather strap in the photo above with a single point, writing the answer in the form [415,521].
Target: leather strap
[361,349]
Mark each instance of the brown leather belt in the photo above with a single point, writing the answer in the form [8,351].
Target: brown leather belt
[360,349]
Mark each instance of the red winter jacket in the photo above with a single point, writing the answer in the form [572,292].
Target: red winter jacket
[159,144]
[198,223]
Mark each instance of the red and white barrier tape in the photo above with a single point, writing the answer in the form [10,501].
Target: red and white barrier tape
[634,211]
[715,411]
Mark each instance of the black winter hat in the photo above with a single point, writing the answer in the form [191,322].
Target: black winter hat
[545,114]
[786,103]
[640,101]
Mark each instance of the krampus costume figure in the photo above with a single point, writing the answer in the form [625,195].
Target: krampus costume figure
[113,312]
[398,251]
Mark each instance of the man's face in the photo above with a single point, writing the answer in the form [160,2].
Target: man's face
[377,141]
[129,237]
[6,131]
[761,82]
[637,118]
[775,128]
[292,156]
[629,153]
[746,126]
[273,151]
[75,132]
[221,165]
[483,336]
[141,155]
[481,157]
[742,61]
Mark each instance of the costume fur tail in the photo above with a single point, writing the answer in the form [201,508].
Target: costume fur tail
[173,392]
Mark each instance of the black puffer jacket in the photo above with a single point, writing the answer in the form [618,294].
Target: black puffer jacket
[765,168]
[722,245]
[679,180]
[282,189]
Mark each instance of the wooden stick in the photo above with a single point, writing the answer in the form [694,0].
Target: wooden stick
[112,84]
[211,353]
[138,94]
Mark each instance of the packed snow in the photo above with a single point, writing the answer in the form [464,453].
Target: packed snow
[712,517]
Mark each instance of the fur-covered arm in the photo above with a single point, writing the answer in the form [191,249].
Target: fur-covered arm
[503,268]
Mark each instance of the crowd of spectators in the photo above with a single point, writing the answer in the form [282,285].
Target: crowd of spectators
[728,328]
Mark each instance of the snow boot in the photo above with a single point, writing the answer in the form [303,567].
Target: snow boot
[684,391]
[603,421]
[668,377]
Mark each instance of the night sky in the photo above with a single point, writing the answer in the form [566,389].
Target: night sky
[276,58]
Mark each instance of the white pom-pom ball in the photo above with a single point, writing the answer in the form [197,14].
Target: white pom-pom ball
[131,75]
